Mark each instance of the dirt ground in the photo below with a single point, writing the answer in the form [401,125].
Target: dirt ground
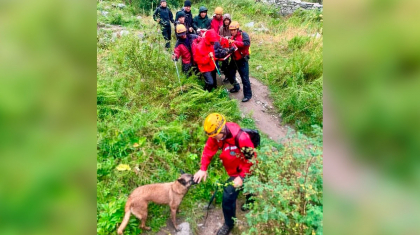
[261,108]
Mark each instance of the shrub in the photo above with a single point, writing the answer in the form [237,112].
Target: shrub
[288,196]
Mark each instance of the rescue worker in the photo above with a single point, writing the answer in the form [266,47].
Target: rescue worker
[188,17]
[163,16]
[217,20]
[203,55]
[239,61]
[183,48]
[201,21]
[222,135]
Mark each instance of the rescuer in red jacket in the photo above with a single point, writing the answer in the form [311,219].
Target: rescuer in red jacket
[217,20]
[239,61]
[204,55]
[222,136]
[183,48]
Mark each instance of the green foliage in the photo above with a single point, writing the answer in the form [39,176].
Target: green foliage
[148,7]
[288,196]
[241,8]
[297,42]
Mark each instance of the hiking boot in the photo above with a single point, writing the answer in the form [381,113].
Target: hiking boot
[224,230]
[233,90]
[246,99]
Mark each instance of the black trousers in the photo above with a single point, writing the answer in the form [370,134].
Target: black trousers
[210,80]
[166,33]
[242,67]
[186,69]
[230,194]
[224,67]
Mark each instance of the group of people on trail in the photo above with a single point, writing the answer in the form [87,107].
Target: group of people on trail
[203,42]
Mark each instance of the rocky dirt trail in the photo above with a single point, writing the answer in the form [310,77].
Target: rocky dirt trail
[260,108]
[268,121]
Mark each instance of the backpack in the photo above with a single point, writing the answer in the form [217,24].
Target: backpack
[254,135]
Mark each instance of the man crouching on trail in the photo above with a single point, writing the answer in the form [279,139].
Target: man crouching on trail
[222,136]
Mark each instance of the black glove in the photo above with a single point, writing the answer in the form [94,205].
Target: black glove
[248,152]
[231,50]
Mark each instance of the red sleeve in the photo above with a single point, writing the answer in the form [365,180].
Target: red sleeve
[177,51]
[244,40]
[239,43]
[210,149]
[245,141]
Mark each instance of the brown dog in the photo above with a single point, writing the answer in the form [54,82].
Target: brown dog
[163,193]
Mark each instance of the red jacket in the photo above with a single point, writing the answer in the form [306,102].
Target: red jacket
[216,24]
[235,165]
[182,51]
[202,50]
[243,42]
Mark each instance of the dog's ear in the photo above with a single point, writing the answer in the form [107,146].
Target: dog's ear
[182,181]
[182,172]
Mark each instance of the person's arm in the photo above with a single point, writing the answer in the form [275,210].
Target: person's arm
[177,52]
[171,17]
[210,149]
[209,26]
[155,15]
[245,41]
[194,24]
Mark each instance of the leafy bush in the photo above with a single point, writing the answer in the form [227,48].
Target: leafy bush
[288,196]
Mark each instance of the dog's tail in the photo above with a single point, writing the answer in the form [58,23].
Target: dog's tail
[126,218]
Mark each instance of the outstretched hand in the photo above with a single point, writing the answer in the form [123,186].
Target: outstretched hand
[200,175]
[237,182]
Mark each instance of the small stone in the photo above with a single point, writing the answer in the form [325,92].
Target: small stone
[124,32]
[104,13]
[250,24]
[258,67]
[184,229]
[121,5]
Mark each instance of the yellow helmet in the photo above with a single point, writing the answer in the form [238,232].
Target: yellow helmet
[214,123]
[218,11]
[180,28]
[234,25]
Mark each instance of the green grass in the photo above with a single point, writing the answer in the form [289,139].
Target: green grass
[146,121]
